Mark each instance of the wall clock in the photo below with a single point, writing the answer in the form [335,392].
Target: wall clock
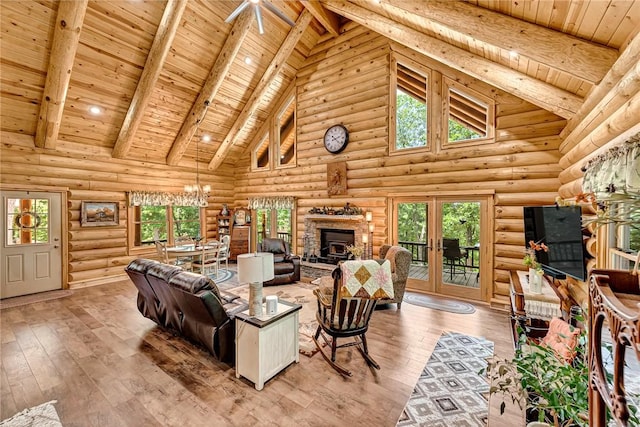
[336,139]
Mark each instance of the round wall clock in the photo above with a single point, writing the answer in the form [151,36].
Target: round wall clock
[336,139]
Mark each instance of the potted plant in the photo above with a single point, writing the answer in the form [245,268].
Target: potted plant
[356,251]
[535,268]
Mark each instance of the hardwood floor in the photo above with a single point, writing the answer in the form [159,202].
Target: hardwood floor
[106,365]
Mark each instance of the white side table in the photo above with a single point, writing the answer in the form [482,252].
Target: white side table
[265,345]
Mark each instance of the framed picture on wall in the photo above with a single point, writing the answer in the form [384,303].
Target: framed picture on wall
[96,214]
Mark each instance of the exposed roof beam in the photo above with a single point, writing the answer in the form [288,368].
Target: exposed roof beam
[328,19]
[214,81]
[66,37]
[263,86]
[152,68]
[475,25]
[539,93]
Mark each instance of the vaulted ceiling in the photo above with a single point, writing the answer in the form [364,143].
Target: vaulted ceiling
[164,73]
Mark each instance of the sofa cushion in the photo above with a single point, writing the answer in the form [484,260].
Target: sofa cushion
[275,246]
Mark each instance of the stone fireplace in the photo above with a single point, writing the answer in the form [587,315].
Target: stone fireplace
[327,236]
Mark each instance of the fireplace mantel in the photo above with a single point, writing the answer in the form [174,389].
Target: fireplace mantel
[321,217]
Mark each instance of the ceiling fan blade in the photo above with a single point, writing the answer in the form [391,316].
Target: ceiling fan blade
[278,13]
[259,19]
[237,12]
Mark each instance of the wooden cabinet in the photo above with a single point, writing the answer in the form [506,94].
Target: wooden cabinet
[266,344]
[240,241]
[614,312]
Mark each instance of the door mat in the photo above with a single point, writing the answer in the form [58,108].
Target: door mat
[33,298]
[438,303]
[449,391]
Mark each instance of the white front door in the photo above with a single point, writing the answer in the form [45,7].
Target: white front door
[31,247]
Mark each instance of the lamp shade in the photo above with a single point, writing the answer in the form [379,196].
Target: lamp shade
[255,267]
[368,216]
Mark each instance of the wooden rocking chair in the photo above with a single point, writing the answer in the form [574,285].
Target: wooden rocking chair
[345,313]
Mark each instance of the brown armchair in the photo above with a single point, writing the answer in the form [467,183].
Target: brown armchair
[286,266]
[400,259]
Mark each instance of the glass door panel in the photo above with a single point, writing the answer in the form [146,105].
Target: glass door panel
[459,248]
[412,233]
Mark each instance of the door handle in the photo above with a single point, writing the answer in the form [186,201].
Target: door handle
[430,245]
[55,246]
[439,245]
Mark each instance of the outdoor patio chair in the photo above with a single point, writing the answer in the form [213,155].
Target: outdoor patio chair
[454,257]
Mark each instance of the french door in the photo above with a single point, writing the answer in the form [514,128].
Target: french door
[449,239]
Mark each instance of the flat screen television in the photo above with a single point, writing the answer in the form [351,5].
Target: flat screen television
[560,228]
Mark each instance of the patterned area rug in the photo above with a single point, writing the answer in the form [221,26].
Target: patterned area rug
[44,415]
[450,392]
[33,298]
[438,303]
[299,293]
[223,276]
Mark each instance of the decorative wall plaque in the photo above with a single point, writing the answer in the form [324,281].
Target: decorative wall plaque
[336,178]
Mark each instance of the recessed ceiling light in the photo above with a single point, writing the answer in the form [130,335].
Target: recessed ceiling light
[206,138]
[95,110]
[247,60]
[513,54]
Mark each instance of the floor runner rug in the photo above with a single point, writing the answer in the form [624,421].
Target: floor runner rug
[450,392]
[438,303]
[44,415]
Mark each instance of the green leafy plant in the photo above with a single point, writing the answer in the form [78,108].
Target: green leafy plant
[530,259]
[547,387]
[356,251]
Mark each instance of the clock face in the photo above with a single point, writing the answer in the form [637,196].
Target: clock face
[336,139]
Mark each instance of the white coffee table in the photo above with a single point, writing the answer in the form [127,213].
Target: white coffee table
[267,344]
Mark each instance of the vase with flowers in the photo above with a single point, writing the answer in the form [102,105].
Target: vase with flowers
[535,268]
[355,251]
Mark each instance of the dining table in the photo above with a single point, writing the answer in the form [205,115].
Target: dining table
[191,250]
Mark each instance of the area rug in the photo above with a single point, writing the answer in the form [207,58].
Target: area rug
[43,415]
[450,391]
[33,298]
[223,276]
[438,303]
[299,293]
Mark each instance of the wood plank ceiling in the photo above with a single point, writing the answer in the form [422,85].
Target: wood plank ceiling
[152,67]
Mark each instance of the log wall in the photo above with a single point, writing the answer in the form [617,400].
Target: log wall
[347,80]
[99,254]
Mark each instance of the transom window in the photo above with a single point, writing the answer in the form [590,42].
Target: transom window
[469,114]
[411,108]
[276,146]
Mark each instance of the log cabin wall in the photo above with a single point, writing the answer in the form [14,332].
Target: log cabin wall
[347,80]
[99,254]
[610,115]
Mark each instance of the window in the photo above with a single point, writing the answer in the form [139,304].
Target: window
[27,221]
[469,114]
[411,100]
[152,222]
[625,240]
[287,135]
[274,223]
[260,155]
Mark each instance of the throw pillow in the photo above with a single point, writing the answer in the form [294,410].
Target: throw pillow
[562,338]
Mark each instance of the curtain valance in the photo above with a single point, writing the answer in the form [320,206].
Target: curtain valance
[614,173]
[272,202]
[158,198]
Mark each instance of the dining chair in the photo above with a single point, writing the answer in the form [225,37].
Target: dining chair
[182,262]
[207,262]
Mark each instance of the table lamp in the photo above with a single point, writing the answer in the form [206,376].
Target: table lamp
[255,268]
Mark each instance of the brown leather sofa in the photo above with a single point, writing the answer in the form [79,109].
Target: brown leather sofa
[286,266]
[188,304]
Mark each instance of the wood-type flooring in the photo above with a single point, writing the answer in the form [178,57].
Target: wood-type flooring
[106,365]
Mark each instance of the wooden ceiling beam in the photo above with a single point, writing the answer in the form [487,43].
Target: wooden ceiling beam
[262,87]
[66,38]
[214,81]
[539,93]
[329,20]
[150,74]
[475,25]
